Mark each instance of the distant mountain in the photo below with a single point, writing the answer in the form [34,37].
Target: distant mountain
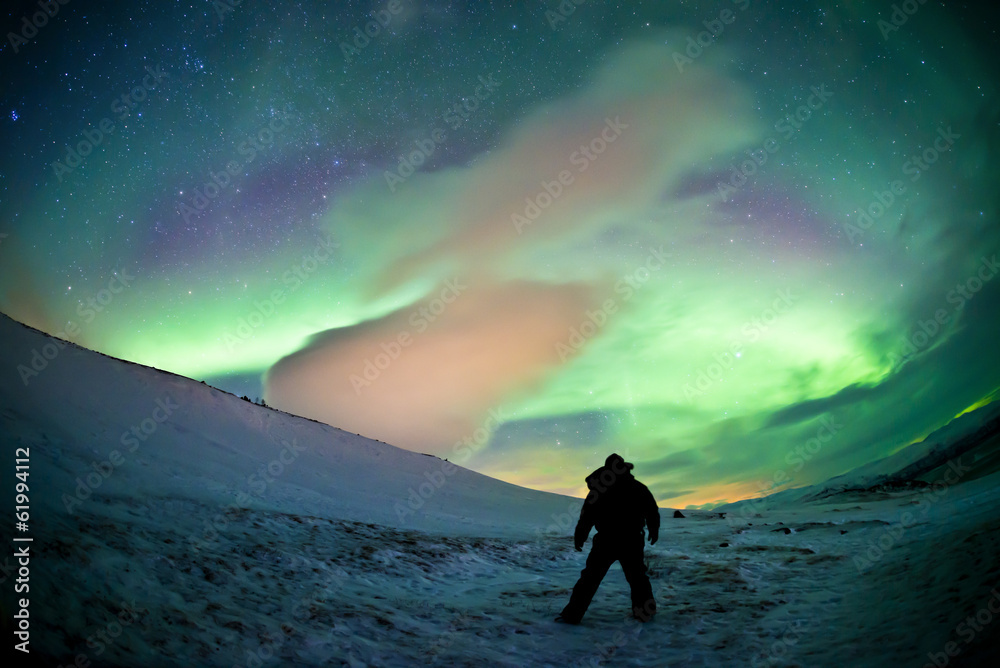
[968,446]
[971,441]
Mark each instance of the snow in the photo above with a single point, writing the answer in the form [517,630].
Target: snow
[184,555]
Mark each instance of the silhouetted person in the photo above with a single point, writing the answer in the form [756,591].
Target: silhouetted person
[618,505]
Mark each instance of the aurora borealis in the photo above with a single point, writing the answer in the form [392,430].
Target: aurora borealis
[523,237]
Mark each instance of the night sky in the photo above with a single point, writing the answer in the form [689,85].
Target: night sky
[520,239]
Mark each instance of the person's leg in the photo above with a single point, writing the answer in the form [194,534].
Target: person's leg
[598,562]
[631,559]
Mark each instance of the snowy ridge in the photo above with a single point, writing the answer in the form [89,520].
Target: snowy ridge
[207,445]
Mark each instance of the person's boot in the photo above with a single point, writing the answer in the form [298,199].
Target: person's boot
[563,619]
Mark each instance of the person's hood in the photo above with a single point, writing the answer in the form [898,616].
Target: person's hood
[616,462]
[594,479]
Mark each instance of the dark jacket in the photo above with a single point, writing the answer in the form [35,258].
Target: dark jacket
[618,505]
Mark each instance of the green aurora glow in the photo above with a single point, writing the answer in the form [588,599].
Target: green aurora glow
[778,270]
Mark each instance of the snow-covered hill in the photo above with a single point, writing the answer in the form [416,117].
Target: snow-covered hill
[177,525]
[192,441]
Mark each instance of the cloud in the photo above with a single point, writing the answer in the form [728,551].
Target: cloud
[619,144]
[534,274]
[673,494]
[427,375]
[677,460]
[623,141]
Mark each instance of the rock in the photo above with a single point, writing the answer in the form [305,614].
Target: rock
[785,530]
[678,513]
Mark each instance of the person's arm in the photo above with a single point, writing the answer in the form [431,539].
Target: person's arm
[585,523]
[652,514]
